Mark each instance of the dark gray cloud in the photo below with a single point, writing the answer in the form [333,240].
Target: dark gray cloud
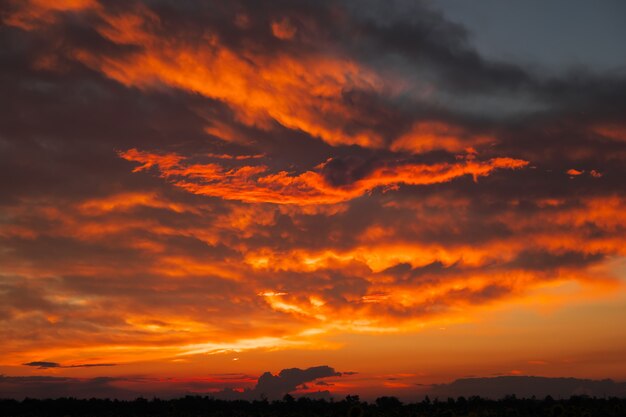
[43,365]
[577,42]
[20,387]
[287,380]
[47,365]
[528,386]
[267,386]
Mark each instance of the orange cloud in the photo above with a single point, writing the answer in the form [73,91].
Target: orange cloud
[125,201]
[29,14]
[611,131]
[433,135]
[255,184]
[375,298]
[283,29]
[303,93]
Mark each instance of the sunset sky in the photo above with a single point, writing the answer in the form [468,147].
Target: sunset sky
[398,193]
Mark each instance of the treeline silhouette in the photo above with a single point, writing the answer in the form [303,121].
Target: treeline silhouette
[351,406]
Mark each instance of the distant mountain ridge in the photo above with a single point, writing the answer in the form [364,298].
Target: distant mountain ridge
[528,386]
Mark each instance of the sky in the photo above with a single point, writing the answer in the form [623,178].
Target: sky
[317,197]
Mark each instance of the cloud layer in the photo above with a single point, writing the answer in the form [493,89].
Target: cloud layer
[230,386]
[180,178]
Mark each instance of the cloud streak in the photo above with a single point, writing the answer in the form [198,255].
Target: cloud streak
[255,184]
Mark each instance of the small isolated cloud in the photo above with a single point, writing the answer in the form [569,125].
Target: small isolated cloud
[287,380]
[574,172]
[48,365]
[283,29]
[43,365]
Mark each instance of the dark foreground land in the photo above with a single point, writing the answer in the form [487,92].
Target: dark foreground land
[351,406]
